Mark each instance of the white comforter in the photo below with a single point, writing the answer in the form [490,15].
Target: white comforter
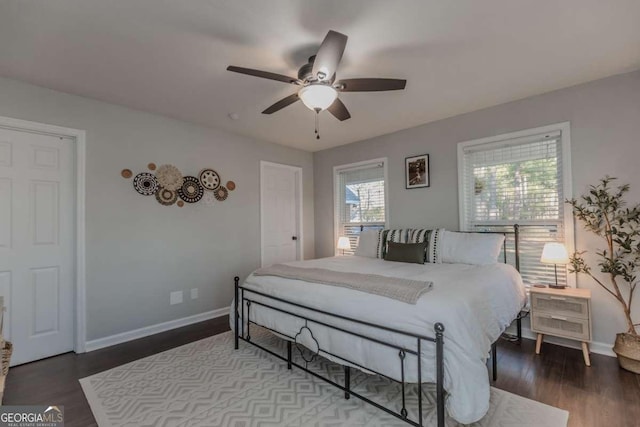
[474,303]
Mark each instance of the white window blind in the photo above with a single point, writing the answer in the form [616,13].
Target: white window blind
[360,200]
[518,181]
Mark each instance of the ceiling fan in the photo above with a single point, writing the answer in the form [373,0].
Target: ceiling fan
[317,80]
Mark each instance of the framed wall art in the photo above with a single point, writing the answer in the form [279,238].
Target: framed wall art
[417,171]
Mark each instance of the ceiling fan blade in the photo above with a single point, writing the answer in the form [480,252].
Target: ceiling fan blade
[329,55]
[370,85]
[339,110]
[263,74]
[284,102]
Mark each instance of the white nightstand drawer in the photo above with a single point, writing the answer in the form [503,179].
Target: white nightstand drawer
[561,305]
[561,326]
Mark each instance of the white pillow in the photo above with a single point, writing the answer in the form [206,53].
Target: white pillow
[368,243]
[471,248]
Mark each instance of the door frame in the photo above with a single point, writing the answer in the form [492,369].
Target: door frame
[298,172]
[79,138]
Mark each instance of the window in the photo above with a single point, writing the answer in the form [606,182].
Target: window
[360,199]
[521,178]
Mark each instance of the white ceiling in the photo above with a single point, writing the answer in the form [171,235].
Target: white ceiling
[169,57]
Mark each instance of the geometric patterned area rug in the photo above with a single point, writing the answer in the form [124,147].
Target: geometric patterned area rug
[208,383]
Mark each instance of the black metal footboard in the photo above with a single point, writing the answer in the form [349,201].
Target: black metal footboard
[245,299]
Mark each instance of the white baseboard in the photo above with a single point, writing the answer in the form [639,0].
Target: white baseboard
[153,329]
[595,347]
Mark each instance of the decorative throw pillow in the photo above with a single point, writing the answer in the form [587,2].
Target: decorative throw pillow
[382,244]
[471,248]
[368,243]
[432,237]
[397,235]
[406,252]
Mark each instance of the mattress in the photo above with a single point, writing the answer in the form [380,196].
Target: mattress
[475,303]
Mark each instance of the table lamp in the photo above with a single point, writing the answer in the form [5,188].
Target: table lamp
[344,243]
[555,253]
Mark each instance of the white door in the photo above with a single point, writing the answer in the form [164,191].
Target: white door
[281,197]
[37,217]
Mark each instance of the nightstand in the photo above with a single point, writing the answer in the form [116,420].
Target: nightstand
[564,313]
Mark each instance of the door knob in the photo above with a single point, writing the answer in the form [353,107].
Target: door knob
[294,237]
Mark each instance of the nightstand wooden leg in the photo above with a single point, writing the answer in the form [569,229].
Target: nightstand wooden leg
[585,353]
[539,343]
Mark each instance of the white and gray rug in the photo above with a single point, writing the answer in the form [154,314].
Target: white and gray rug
[207,383]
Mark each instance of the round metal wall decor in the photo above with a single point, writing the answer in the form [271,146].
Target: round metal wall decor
[145,183]
[169,177]
[221,194]
[209,179]
[191,190]
[151,166]
[180,203]
[166,197]
[231,185]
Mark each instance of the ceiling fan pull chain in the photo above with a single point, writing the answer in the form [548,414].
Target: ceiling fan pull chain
[317,123]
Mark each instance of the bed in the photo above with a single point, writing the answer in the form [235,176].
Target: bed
[468,308]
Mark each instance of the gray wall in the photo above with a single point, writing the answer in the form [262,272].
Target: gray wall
[605,138]
[137,250]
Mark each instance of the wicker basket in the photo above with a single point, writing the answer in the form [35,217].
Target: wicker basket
[6,357]
[627,348]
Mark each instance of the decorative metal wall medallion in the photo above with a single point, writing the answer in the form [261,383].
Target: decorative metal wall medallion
[126,173]
[145,183]
[231,185]
[209,179]
[166,197]
[191,190]
[221,194]
[151,166]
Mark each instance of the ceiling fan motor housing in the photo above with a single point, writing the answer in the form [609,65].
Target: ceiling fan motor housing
[305,73]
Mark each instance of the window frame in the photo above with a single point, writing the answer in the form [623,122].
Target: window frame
[512,139]
[336,192]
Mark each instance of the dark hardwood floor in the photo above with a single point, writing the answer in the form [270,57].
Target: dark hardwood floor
[602,395]
[54,381]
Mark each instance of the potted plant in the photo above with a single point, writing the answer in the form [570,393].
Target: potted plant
[603,211]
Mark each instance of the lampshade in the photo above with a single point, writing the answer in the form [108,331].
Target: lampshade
[318,96]
[554,253]
[344,243]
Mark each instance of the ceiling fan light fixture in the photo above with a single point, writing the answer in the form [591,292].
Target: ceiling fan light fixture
[318,96]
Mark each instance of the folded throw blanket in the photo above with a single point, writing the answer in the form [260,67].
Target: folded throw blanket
[405,290]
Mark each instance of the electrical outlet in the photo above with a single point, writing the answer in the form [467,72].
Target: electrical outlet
[175,297]
[194,293]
